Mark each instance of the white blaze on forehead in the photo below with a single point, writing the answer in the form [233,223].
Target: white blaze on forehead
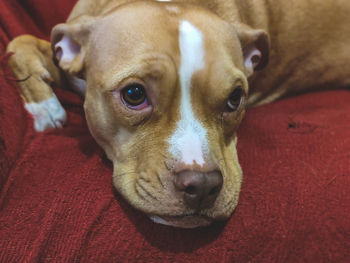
[189,141]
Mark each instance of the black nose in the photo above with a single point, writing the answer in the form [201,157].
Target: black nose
[200,189]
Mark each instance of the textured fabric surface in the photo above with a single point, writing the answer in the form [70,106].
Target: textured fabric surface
[57,203]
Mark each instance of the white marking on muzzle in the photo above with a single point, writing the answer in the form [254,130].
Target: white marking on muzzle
[189,141]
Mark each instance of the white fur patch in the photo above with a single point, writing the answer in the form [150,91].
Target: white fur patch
[47,114]
[189,143]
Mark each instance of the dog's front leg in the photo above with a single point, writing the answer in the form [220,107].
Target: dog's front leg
[33,66]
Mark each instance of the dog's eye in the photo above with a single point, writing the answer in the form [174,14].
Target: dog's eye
[134,96]
[235,99]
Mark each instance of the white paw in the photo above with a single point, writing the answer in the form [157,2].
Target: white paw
[47,114]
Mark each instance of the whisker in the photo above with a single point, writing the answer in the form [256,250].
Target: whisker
[17,80]
[21,80]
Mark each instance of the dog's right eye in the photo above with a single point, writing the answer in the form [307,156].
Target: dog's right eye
[134,96]
[235,99]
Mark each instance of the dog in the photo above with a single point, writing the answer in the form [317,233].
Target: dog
[167,83]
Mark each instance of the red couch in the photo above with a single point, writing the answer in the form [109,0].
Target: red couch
[57,202]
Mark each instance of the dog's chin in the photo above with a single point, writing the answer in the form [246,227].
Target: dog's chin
[182,221]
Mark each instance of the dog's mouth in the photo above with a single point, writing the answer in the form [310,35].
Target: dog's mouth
[184,221]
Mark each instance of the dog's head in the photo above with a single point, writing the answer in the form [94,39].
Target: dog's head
[166,91]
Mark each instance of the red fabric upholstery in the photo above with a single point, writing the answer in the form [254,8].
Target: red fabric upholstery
[57,203]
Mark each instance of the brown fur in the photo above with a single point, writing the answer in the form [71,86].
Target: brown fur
[309,48]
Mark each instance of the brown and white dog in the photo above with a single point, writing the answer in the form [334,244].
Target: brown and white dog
[167,86]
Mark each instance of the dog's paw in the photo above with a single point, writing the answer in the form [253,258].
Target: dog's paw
[47,114]
[32,64]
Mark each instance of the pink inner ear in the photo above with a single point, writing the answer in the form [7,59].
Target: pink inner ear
[66,50]
[252,58]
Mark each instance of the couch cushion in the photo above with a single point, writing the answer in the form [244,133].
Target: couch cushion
[57,202]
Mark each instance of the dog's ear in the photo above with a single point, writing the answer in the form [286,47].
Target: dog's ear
[255,46]
[68,43]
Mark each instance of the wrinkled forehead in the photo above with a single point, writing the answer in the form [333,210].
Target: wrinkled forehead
[145,28]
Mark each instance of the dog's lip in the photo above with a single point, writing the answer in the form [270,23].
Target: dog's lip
[183,221]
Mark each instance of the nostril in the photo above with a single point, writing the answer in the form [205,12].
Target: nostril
[215,190]
[200,189]
[191,190]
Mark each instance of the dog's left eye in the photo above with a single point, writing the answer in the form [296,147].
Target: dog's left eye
[134,96]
